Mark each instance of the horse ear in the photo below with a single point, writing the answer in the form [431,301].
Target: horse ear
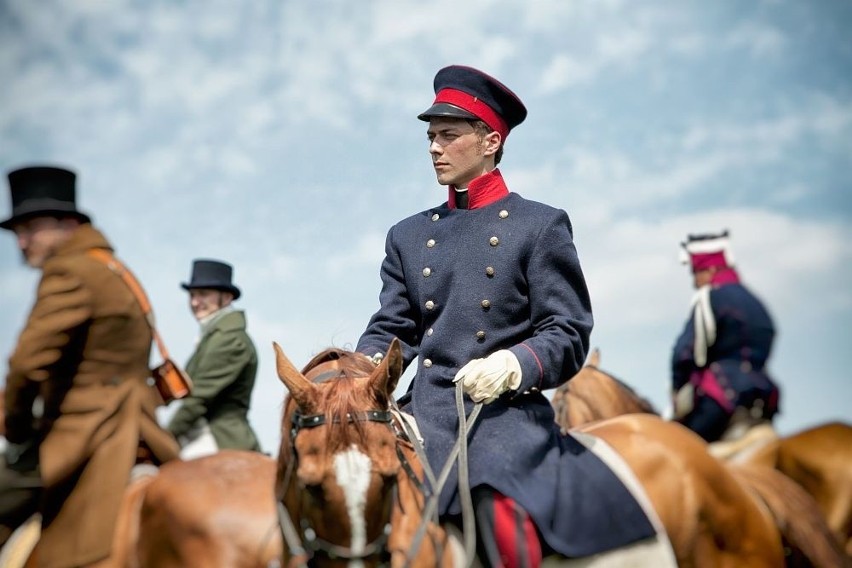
[594,359]
[386,376]
[298,385]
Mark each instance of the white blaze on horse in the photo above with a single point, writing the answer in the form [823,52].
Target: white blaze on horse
[351,489]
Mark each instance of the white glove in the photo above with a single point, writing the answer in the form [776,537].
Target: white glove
[486,379]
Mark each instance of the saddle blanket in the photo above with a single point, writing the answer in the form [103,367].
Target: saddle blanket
[656,551]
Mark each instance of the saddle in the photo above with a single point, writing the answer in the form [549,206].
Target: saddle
[752,439]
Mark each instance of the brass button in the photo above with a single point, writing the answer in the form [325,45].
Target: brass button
[429,332]
[494,241]
[485,304]
[489,271]
[430,305]
[503,213]
[480,334]
[427,363]
[427,272]
[430,243]
[435,216]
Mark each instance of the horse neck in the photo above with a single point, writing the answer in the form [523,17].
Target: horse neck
[593,395]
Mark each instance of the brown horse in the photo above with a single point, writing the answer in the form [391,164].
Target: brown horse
[594,395]
[217,511]
[212,512]
[351,489]
[820,460]
[709,516]
[336,438]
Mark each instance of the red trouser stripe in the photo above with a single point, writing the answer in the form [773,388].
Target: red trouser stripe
[515,535]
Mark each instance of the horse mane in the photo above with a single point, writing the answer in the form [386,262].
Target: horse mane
[348,361]
[645,404]
[593,394]
[341,396]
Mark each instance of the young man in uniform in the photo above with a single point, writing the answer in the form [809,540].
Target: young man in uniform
[487,290]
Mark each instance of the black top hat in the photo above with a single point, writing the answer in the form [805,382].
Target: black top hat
[212,274]
[465,92]
[42,191]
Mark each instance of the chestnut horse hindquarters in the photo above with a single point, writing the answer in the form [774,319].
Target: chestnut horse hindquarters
[655,552]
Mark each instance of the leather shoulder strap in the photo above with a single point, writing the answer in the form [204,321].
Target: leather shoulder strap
[106,257]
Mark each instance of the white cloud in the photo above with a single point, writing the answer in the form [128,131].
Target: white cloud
[282,137]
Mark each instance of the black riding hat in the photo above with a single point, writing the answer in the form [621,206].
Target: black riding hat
[213,274]
[42,191]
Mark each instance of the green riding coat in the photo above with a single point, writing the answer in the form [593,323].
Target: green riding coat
[223,370]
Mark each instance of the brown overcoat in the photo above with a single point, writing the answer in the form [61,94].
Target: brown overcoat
[85,350]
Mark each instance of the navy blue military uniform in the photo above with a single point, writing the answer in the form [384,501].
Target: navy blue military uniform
[734,374]
[461,284]
[718,362]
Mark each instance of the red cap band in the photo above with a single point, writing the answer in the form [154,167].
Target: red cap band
[474,106]
[703,261]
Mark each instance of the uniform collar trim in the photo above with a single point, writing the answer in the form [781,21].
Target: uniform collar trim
[482,191]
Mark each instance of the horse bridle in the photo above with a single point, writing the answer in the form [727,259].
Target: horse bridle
[306,543]
[377,547]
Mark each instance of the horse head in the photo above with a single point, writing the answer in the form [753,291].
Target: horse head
[338,462]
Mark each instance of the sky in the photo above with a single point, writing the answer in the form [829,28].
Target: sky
[282,137]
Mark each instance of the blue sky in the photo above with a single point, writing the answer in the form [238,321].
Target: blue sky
[281,136]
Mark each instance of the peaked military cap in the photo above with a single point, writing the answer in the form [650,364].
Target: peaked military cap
[465,92]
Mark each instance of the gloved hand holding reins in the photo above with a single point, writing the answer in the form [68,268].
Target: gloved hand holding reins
[484,380]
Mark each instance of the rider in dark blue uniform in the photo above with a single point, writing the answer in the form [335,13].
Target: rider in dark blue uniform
[720,385]
[486,290]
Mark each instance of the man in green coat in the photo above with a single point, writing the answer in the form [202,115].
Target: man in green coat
[223,368]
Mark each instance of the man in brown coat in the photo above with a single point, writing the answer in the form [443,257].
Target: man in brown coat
[84,353]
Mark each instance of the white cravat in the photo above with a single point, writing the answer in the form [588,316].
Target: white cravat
[206,323]
[705,325]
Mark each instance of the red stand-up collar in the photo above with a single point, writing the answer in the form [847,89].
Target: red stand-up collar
[725,276]
[482,191]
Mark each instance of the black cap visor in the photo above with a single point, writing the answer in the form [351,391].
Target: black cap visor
[446,110]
